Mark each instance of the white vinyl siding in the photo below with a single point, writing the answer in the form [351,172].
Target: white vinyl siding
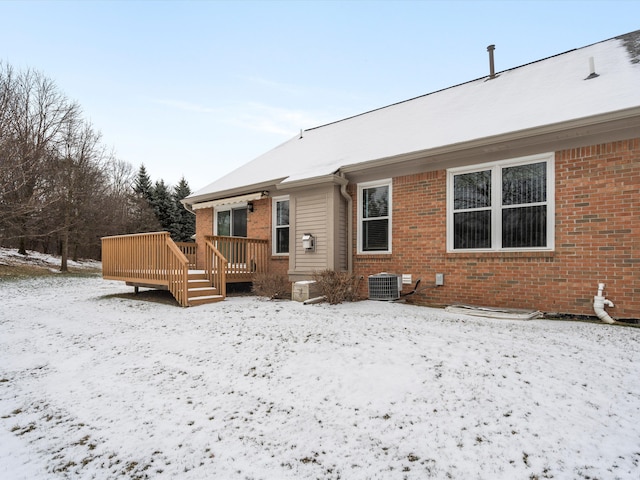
[312,216]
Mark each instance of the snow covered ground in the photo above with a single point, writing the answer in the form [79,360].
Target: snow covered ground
[95,384]
[9,257]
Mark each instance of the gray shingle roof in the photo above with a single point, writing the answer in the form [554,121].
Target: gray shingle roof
[546,92]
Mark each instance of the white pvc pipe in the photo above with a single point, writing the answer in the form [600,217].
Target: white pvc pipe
[599,303]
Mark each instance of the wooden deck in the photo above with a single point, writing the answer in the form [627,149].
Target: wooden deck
[154,260]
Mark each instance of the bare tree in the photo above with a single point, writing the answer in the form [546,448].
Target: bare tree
[34,115]
[59,188]
[75,182]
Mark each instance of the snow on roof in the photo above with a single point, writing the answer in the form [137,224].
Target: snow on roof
[549,91]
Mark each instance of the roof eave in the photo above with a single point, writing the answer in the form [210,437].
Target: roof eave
[332,178]
[610,121]
[232,192]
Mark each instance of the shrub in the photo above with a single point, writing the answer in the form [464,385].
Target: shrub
[271,285]
[337,287]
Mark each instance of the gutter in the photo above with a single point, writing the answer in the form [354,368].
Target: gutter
[627,119]
[187,206]
[331,178]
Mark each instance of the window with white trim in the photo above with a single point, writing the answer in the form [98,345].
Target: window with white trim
[505,205]
[374,217]
[280,225]
[231,220]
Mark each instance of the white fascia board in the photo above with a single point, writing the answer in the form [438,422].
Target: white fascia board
[309,182]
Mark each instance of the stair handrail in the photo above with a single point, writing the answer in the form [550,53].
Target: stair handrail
[215,267]
[245,256]
[178,273]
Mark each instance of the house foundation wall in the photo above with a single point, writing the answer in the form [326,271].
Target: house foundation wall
[597,240]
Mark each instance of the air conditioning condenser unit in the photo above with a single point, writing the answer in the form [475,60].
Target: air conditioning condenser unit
[385,286]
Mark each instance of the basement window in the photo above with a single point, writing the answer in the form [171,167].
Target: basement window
[502,206]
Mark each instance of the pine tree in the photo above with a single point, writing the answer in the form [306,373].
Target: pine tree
[164,207]
[142,185]
[186,221]
[143,211]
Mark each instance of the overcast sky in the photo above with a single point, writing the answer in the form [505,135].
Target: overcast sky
[198,88]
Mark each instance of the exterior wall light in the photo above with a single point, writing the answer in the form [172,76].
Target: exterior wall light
[308,242]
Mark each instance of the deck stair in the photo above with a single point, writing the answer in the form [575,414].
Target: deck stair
[154,260]
[200,290]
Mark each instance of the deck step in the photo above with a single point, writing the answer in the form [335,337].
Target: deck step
[197,275]
[200,291]
[193,301]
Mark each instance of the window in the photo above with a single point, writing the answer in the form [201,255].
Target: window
[374,217]
[280,225]
[231,221]
[503,205]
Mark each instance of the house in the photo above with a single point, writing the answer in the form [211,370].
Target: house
[518,189]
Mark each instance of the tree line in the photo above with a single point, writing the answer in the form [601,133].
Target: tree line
[61,188]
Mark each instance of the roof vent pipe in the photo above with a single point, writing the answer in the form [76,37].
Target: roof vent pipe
[492,70]
[592,69]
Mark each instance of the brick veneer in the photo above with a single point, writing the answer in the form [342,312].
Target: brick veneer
[597,239]
[258,226]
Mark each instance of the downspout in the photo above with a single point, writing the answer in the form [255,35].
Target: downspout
[347,197]
[187,207]
[598,305]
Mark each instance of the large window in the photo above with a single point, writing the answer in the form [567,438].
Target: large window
[374,217]
[505,205]
[280,225]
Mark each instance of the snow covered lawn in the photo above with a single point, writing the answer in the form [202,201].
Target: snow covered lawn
[96,385]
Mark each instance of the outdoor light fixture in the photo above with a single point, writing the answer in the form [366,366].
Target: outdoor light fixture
[250,207]
[308,242]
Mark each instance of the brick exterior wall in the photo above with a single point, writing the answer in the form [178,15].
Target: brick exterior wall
[258,226]
[204,226]
[597,239]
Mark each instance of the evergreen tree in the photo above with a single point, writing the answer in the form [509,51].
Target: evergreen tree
[186,221]
[144,217]
[164,207]
[142,185]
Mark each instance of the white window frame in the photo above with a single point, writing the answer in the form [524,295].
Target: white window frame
[274,226]
[496,202]
[387,182]
[222,208]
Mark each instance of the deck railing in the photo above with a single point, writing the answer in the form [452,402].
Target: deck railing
[215,268]
[147,258]
[245,256]
[189,249]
